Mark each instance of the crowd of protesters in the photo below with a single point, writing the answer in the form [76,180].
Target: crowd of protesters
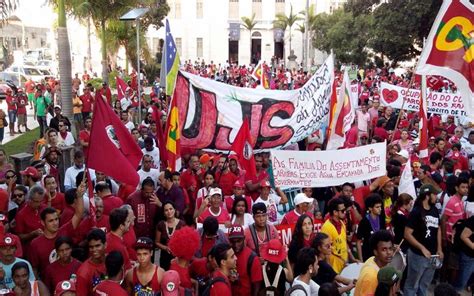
[210,229]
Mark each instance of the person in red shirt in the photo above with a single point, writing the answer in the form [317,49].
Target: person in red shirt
[84,135]
[87,101]
[110,202]
[28,222]
[111,285]
[216,209]
[238,188]
[53,198]
[224,177]
[92,271]
[12,110]
[30,91]
[101,221]
[248,264]
[226,262]
[119,225]
[21,103]
[146,276]
[302,203]
[191,179]
[252,183]
[42,251]
[63,268]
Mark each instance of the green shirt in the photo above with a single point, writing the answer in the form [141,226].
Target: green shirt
[40,105]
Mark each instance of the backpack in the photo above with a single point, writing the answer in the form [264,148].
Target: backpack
[294,288]
[270,289]
[208,286]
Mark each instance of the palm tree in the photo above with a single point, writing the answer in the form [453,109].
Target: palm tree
[283,21]
[64,60]
[7,7]
[249,24]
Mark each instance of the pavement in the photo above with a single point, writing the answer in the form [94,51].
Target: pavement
[30,122]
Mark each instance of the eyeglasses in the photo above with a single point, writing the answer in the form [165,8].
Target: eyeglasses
[9,177]
[18,195]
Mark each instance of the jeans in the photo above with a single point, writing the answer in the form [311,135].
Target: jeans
[466,268]
[42,124]
[12,116]
[419,276]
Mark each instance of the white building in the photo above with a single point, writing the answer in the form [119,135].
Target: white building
[212,29]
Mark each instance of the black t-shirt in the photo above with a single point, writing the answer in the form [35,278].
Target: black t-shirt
[469,224]
[399,221]
[425,224]
[325,273]
[364,232]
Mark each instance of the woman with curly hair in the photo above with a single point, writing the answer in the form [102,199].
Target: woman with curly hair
[239,214]
[302,237]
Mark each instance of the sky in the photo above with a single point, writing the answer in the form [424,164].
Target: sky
[35,13]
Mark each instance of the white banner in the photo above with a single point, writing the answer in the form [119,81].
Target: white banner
[211,113]
[328,168]
[437,102]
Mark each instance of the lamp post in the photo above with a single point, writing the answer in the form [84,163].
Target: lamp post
[135,15]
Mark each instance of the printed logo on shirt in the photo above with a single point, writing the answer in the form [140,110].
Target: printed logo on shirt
[140,290]
[141,213]
[53,256]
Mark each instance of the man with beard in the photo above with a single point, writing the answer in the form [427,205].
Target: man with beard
[423,233]
[381,244]
[306,267]
[51,165]
[224,177]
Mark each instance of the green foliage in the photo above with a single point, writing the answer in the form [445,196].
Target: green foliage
[249,23]
[7,7]
[343,33]
[152,71]
[113,82]
[23,143]
[96,83]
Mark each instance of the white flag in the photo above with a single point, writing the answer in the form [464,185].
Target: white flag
[406,181]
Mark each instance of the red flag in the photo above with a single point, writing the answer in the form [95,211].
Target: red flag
[121,87]
[243,147]
[112,149]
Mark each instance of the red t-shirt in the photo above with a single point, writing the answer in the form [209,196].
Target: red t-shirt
[184,274]
[111,202]
[58,202]
[87,101]
[107,287]
[226,182]
[292,217]
[87,224]
[244,286]
[89,275]
[129,239]
[42,252]
[115,243]
[84,135]
[262,175]
[11,105]
[221,218]
[21,105]
[4,201]
[56,272]
[221,288]
[28,220]
[66,215]
[381,133]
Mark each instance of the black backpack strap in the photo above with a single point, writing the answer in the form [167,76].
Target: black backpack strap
[294,288]
[253,233]
[250,260]
[211,282]
[267,232]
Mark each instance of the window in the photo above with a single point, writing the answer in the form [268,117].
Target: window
[179,44]
[199,9]
[234,10]
[257,9]
[199,50]
[279,7]
[279,1]
[177,10]
[257,1]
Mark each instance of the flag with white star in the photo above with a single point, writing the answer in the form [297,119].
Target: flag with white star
[172,61]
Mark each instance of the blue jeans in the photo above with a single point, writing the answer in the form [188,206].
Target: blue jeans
[419,276]
[466,268]
[42,124]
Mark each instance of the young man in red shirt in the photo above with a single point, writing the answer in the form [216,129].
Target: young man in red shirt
[252,183]
[12,110]
[226,261]
[54,198]
[87,101]
[119,225]
[110,202]
[92,271]
[224,177]
[248,264]
[111,286]
[239,190]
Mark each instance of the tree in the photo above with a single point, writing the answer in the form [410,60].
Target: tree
[7,7]
[64,61]
[249,24]
[283,21]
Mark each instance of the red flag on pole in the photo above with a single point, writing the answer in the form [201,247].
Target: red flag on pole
[121,87]
[112,149]
[243,147]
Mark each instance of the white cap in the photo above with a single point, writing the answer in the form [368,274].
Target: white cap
[301,198]
[215,191]
[404,153]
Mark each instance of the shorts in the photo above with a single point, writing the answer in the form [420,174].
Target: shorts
[21,119]
[31,97]
[78,117]
[12,116]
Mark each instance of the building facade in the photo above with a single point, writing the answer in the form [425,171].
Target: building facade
[212,30]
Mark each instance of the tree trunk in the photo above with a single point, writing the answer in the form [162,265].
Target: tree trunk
[64,54]
[250,47]
[104,53]
[89,48]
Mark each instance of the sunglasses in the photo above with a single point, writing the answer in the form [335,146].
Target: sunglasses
[9,177]
[18,195]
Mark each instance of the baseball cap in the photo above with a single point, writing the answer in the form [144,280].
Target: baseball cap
[205,158]
[259,208]
[3,218]
[170,283]
[238,184]
[302,198]
[388,275]
[273,251]
[265,183]
[215,190]
[57,107]
[30,171]
[7,240]
[236,231]
[65,286]
[144,243]
[428,188]
[383,181]
[404,153]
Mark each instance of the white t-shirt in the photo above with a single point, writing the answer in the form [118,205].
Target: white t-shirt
[155,153]
[129,125]
[312,289]
[362,120]
[248,220]
[153,174]
[69,141]
[271,203]
[125,103]
[469,148]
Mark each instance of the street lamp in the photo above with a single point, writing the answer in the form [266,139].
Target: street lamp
[135,15]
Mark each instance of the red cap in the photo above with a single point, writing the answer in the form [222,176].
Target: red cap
[236,231]
[238,184]
[273,251]
[265,183]
[170,283]
[7,240]
[205,158]
[65,286]
[30,171]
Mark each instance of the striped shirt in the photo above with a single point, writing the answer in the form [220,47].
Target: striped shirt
[454,211]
